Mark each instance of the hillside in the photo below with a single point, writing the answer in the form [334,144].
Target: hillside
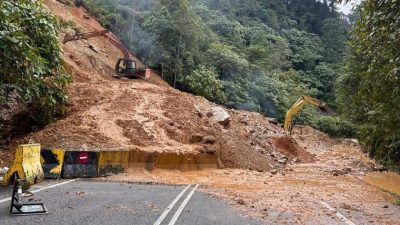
[307,177]
[116,114]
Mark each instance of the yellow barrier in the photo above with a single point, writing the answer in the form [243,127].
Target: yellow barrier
[26,165]
[52,162]
[112,162]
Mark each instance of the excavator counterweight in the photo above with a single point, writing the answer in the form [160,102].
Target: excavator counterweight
[125,67]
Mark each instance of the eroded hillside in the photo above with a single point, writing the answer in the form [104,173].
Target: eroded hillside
[122,114]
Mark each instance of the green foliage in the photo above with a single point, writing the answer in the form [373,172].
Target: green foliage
[306,49]
[397,202]
[30,58]
[203,81]
[265,54]
[334,126]
[369,90]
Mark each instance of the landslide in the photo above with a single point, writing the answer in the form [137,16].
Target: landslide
[121,114]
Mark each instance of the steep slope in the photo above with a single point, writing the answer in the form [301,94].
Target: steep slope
[149,116]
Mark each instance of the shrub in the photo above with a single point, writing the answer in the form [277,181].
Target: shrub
[30,59]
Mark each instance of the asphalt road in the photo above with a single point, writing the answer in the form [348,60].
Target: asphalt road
[90,202]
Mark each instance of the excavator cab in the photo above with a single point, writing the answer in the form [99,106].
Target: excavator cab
[125,67]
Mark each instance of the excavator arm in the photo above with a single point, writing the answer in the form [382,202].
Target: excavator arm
[124,66]
[298,105]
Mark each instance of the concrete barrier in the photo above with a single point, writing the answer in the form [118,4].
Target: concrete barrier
[172,161]
[112,162]
[52,162]
[26,165]
[80,164]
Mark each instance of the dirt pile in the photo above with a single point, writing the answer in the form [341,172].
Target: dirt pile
[150,116]
[297,194]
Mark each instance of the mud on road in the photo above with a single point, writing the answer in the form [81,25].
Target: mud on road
[302,193]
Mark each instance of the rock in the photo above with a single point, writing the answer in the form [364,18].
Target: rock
[345,206]
[201,149]
[273,121]
[220,115]
[3,170]
[209,139]
[335,174]
[295,160]
[86,17]
[240,201]
[385,206]
[93,48]
[196,138]
[245,120]
[211,149]
[378,168]
[69,34]
[274,171]
[282,160]
[80,193]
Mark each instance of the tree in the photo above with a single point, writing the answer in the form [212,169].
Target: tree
[30,63]
[369,90]
[333,38]
[204,81]
[306,49]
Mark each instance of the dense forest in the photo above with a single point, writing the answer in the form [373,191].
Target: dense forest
[252,55]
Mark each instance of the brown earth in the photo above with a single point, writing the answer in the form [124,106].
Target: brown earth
[118,114]
[297,194]
[149,116]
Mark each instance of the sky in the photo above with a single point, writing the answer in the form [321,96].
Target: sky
[346,8]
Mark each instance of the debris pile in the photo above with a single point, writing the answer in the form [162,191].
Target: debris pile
[149,116]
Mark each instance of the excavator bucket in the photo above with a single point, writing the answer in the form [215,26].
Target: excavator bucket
[68,37]
[325,109]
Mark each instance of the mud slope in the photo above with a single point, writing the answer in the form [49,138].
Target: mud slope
[116,114]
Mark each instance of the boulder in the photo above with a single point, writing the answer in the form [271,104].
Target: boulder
[196,138]
[220,115]
[201,149]
[211,149]
[209,139]
[3,170]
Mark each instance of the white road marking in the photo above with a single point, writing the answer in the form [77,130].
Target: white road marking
[42,189]
[166,211]
[338,214]
[182,206]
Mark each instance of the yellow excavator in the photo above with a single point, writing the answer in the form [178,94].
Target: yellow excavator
[299,105]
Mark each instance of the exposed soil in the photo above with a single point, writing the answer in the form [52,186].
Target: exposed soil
[294,194]
[267,174]
[122,114]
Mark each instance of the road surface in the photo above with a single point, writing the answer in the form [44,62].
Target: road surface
[91,202]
